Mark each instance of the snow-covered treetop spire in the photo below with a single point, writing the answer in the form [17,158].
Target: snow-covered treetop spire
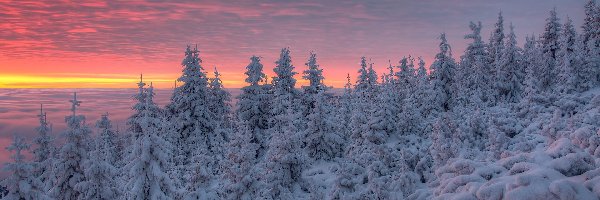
[445,48]
[362,81]
[497,38]
[421,72]
[348,86]
[104,122]
[141,84]
[550,38]
[216,83]
[193,72]
[255,71]
[476,35]
[284,82]
[314,75]
[391,72]
[42,116]
[74,103]
[371,75]
[150,91]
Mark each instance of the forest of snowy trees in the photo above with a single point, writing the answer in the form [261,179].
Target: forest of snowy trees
[503,121]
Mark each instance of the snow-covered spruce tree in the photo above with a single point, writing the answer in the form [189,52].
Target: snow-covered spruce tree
[314,75]
[388,100]
[283,88]
[475,64]
[531,62]
[252,104]
[364,87]
[44,151]
[99,174]
[363,99]
[423,90]
[22,184]
[372,78]
[284,159]
[590,41]
[108,138]
[550,47]
[147,176]
[68,167]
[416,106]
[220,98]
[386,111]
[442,76]
[568,59]
[239,176]
[345,108]
[404,78]
[198,146]
[322,139]
[442,148]
[510,71]
[496,44]
[368,127]
[134,129]
[358,127]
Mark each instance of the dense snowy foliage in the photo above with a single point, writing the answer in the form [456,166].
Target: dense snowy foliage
[501,121]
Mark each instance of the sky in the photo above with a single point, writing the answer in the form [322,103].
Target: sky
[107,44]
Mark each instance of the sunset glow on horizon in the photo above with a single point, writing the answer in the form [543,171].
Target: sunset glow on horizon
[107,44]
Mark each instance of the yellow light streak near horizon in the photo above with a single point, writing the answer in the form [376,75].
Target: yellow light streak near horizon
[36,81]
[81,81]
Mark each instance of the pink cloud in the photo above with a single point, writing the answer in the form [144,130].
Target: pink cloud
[82,30]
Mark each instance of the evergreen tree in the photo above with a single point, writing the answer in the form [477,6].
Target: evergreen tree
[550,47]
[284,82]
[284,159]
[510,71]
[241,157]
[44,153]
[416,106]
[568,59]
[193,124]
[22,184]
[388,101]
[496,45]
[372,77]
[283,88]
[404,77]
[532,62]
[321,137]
[107,145]
[149,160]
[475,63]
[363,85]
[314,75]
[99,174]
[346,103]
[442,76]
[442,147]
[68,168]
[423,91]
[253,104]
[133,128]
[220,99]
[589,75]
